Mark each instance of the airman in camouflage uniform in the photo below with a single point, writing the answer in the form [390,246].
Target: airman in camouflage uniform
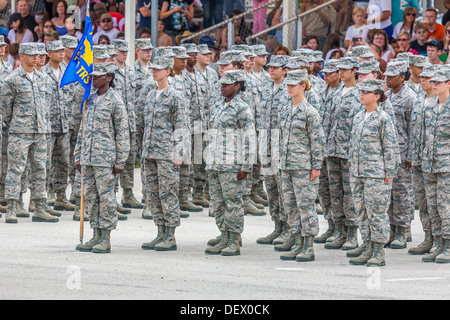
[416,64]
[302,153]
[402,205]
[363,53]
[230,158]
[100,155]
[338,122]
[166,127]
[262,75]
[25,114]
[374,164]
[436,165]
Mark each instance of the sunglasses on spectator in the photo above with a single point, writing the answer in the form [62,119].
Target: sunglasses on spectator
[47,26]
[448,31]
[411,14]
[402,39]
[106,20]
[366,92]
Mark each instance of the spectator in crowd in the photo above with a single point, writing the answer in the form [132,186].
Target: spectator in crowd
[231,5]
[241,30]
[259,16]
[115,6]
[46,27]
[318,22]
[379,16]
[144,8]
[179,14]
[212,12]
[446,16]
[407,25]
[164,40]
[333,41]
[434,51]
[434,29]
[377,51]
[446,43]
[344,11]
[404,41]
[357,34]
[421,33]
[313,43]
[18,32]
[104,40]
[282,51]
[52,35]
[107,25]
[5,6]
[398,9]
[59,16]
[144,33]
[71,28]
[380,38]
[24,9]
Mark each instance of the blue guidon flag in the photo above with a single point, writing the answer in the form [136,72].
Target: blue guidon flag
[82,63]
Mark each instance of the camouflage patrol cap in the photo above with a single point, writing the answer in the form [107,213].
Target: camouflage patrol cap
[404,56]
[41,48]
[372,85]
[228,57]
[232,76]
[366,67]
[362,51]
[348,63]
[315,56]
[260,50]
[417,60]
[394,68]
[100,52]
[180,52]
[29,48]
[296,77]
[2,40]
[55,45]
[164,52]
[70,42]
[441,75]
[278,61]
[330,66]
[111,51]
[162,63]
[302,52]
[143,44]
[100,69]
[246,50]
[297,62]
[429,70]
[190,47]
[119,44]
[203,49]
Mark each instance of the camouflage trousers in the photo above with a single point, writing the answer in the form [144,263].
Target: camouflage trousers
[324,192]
[226,200]
[300,194]
[402,204]
[199,175]
[371,197]
[340,192]
[23,147]
[274,192]
[139,137]
[100,197]
[58,155]
[420,196]
[185,177]
[127,174]
[437,189]
[161,188]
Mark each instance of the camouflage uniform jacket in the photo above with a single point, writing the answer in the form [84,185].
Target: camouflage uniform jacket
[338,122]
[403,103]
[141,75]
[125,85]
[374,146]
[417,128]
[58,103]
[106,141]
[179,84]
[232,132]
[436,137]
[148,86]
[24,103]
[165,126]
[197,87]
[211,78]
[302,138]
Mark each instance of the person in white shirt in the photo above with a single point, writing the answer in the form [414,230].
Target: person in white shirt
[357,33]
[107,24]
[379,16]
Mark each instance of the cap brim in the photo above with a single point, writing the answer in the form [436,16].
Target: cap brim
[329,70]
[391,73]
[98,73]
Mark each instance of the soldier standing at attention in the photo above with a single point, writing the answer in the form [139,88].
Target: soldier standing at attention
[229,161]
[302,154]
[25,114]
[100,155]
[166,126]
[436,165]
[374,164]
[402,98]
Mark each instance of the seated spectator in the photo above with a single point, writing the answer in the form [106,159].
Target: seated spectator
[47,27]
[5,7]
[180,15]
[13,54]
[282,51]
[241,30]
[356,34]
[318,23]
[312,42]
[23,7]
[421,32]
[164,40]
[71,28]
[334,54]
[107,25]
[434,29]
[407,25]
[434,51]
[380,38]
[115,6]
[446,44]
[18,32]
[404,41]
[144,33]
[52,35]
[104,40]
[59,16]
[333,41]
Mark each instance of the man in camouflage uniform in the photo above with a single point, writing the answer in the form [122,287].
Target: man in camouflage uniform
[101,154]
[436,165]
[338,121]
[229,160]
[260,62]
[25,114]
[402,205]
[416,64]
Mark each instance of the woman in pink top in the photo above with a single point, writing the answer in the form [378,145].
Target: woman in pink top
[259,16]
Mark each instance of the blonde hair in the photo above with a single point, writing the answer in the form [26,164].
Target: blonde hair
[357,10]
[307,84]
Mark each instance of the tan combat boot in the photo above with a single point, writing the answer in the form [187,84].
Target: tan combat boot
[399,241]
[307,253]
[186,204]
[233,248]
[159,238]
[250,209]
[256,198]
[424,247]
[61,202]
[222,244]
[40,215]
[275,234]
[328,233]
[288,244]
[104,244]
[295,249]
[341,238]
[439,248]
[444,257]
[11,216]
[20,210]
[169,242]
[352,239]
[199,198]
[378,259]
[129,201]
[365,256]
[87,247]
